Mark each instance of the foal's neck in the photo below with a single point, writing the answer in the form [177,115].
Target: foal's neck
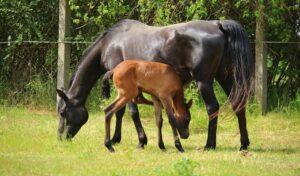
[179,103]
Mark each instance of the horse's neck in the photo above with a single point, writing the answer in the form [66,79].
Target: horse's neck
[87,74]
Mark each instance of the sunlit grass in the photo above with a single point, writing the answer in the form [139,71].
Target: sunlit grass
[28,146]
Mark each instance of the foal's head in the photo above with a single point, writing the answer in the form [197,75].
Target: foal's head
[72,116]
[183,118]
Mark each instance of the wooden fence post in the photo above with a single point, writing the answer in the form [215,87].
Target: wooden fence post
[260,59]
[63,48]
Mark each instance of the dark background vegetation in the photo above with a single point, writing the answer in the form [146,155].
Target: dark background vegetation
[28,70]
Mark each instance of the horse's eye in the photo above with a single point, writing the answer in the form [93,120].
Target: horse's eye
[62,113]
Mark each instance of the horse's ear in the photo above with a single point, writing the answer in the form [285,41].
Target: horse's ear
[62,94]
[190,103]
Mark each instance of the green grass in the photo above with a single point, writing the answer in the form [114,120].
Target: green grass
[28,146]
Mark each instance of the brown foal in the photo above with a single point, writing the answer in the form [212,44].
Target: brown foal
[132,77]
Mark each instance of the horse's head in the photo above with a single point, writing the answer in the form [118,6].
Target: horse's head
[183,121]
[72,116]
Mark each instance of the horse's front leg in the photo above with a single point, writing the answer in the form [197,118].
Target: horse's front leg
[172,121]
[138,125]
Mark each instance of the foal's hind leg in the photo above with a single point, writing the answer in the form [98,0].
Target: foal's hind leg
[109,111]
[168,107]
[159,121]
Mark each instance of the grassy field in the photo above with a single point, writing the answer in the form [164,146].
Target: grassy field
[28,146]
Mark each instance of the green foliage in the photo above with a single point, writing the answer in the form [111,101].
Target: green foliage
[21,63]
[40,95]
[186,167]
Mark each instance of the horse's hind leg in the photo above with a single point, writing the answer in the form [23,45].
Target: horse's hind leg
[159,122]
[138,125]
[212,107]
[169,110]
[240,113]
[118,133]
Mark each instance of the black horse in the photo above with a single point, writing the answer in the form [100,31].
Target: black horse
[201,50]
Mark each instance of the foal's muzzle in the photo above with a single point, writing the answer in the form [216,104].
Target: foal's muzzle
[184,134]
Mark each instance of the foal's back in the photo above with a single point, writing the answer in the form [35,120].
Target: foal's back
[151,77]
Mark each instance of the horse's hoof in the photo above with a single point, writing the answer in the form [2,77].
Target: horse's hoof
[162,146]
[243,148]
[244,152]
[140,146]
[144,140]
[209,147]
[115,141]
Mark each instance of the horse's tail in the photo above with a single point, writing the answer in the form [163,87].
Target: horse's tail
[105,86]
[242,63]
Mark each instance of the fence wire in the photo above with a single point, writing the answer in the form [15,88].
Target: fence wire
[29,68]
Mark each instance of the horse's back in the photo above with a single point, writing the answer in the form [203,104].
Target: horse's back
[184,45]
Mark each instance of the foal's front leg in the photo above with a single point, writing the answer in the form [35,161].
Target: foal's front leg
[172,121]
[159,122]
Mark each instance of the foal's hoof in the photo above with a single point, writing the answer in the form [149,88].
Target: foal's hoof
[140,146]
[180,150]
[178,146]
[111,149]
[109,146]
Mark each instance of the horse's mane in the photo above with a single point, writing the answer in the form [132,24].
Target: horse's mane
[112,29]
[85,53]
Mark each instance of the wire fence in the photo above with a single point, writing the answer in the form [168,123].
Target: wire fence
[28,69]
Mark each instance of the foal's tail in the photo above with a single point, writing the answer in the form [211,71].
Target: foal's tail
[105,86]
[241,62]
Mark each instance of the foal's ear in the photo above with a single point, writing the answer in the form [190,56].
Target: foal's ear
[62,94]
[190,103]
